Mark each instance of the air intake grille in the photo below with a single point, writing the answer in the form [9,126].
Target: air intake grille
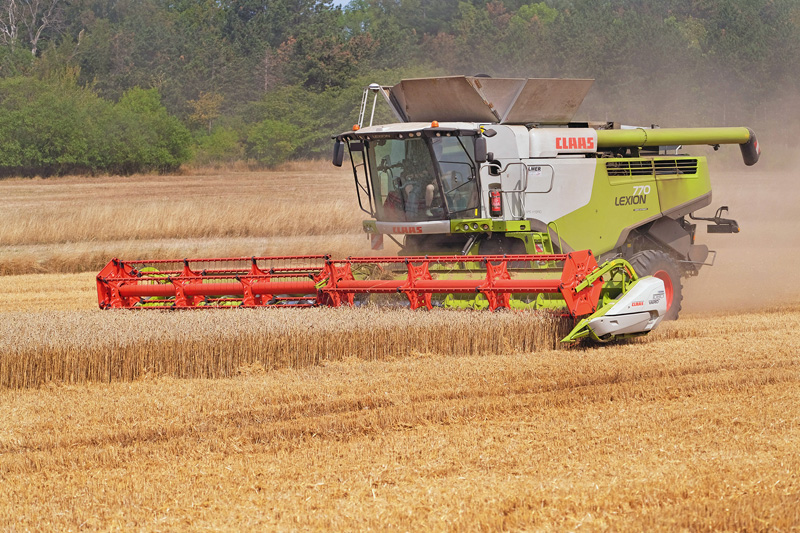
[647,167]
[675,166]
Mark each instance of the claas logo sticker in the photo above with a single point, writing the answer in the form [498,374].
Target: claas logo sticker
[406,229]
[574,143]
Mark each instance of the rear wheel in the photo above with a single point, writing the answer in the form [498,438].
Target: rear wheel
[660,265]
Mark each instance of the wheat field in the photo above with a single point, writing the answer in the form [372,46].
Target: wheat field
[375,419]
[97,346]
[695,429]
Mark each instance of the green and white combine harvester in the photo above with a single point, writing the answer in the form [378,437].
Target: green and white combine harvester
[496,198]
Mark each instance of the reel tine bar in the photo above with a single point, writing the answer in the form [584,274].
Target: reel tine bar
[318,280]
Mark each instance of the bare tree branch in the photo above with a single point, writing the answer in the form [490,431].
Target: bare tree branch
[8,24]
[29,17]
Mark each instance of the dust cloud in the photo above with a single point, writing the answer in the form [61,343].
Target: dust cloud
[755,268]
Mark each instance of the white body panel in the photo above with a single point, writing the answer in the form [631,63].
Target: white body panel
[555,186]
[510,142]
[637,311]
[571,188]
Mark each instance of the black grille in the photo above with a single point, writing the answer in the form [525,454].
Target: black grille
[675,166]
[635,167]
[647,167]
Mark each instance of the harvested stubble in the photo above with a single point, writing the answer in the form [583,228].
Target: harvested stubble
[78,347]
[77,224]
[93,256]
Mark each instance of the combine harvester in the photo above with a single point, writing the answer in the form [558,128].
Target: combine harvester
[501,200]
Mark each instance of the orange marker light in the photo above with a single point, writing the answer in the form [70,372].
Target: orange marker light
[356,127]
[435,124]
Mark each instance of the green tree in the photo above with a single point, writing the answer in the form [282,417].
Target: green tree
[56,126]
[154,139]
[272,142]
[223,145]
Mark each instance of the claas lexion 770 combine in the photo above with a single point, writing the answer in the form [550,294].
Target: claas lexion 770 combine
[497,199]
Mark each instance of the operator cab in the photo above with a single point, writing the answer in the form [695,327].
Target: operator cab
[415,176]
[423,178]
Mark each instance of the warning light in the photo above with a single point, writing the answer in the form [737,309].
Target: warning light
[435,124]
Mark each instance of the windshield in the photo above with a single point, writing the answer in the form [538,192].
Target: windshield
[423,178]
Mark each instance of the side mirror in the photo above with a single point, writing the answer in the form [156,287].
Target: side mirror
[480,150]
[338,153]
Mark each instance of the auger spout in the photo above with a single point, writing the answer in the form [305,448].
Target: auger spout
[640,137]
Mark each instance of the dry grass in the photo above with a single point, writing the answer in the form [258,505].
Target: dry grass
[697,429]
[296,165]
[77,224]
[174,218]
[93,256]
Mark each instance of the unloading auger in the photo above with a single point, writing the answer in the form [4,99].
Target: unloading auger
[609,301]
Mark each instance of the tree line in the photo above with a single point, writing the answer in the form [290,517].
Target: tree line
[142,85]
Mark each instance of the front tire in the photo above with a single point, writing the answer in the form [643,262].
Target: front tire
[660,265]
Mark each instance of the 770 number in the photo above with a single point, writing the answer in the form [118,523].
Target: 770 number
[641,189]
